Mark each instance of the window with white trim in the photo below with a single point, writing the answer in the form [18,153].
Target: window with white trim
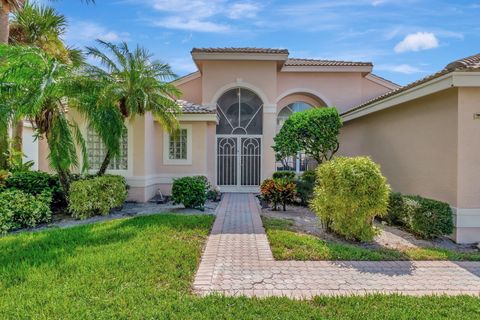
[96,151]
[177,147]
[300,162]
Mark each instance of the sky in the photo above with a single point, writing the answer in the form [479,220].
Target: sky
[405,39]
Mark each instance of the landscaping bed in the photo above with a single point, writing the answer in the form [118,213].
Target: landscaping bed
[296,234]
[143,267]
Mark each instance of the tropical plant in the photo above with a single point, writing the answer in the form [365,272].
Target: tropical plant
[35,86]
[280,191]
[314,131]
[134,84]
[42,27]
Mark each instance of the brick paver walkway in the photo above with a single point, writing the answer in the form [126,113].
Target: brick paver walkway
[238,261]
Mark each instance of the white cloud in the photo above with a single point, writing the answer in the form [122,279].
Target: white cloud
[243,10]
[85,31]
[399,68]
[200,15]
[191,25]
[417,42]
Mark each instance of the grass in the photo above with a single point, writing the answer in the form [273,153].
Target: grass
[142,268]
[287,244]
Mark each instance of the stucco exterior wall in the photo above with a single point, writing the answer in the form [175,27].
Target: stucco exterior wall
[415,143]
[192,90]
[468,181]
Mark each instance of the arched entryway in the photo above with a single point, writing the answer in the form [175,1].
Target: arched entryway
[239,140]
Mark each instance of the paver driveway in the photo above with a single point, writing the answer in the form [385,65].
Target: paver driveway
[238,261]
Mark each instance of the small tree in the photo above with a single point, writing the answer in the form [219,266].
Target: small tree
[314,132]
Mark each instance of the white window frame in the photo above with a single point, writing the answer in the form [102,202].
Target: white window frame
[121,172]
[166,147]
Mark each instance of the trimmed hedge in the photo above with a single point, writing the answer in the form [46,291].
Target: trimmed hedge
[290,175]
[350,193]
[426,218]
[190,191]
[96,196]
[37,182]
[21,210]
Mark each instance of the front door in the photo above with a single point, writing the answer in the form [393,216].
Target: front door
[239,141]
[239,163]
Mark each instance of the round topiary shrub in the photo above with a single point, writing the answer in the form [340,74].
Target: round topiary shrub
[190,191]
[349,194]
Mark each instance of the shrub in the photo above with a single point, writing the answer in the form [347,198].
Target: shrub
[278,191]
[423,217]
[96,196]
[290,175]
[314,132]
[20,209]
[305,184]
[190,191]
[350,193]
[428,218]
[397,209]
[37,182]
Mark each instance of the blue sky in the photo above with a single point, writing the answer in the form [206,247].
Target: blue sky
[406,39]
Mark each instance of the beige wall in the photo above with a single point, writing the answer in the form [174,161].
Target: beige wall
[338,89]
[468,193]
[415,143]
[192,90]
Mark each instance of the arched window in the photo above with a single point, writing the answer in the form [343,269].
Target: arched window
[299,163]
[286,112]
[240,112]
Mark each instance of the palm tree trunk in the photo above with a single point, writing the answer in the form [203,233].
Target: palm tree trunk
[105,163]
[64,177]
[4,26]
[4,32]
[18,136]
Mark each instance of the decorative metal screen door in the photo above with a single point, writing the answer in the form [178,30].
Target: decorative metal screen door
[239,140]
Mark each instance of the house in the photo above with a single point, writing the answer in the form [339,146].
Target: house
[425,135]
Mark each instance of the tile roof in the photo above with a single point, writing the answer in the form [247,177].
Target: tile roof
[239,50]
[189,107]
[316,62]
[471,63]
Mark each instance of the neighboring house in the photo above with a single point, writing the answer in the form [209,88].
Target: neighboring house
[426,137]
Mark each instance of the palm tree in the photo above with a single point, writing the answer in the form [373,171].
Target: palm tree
[6,8]
[42,88]
[42,27]
[135,84]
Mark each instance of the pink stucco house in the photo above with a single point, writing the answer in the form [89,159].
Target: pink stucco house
[426,135]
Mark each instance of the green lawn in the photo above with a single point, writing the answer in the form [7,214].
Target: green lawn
[289,245]
[142,268]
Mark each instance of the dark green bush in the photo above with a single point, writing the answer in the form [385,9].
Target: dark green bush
[305,185]
[428,218]
[36,182]
[350,193]
[96,196]
[190,191]
[290,175]
[397,210]
[19,209]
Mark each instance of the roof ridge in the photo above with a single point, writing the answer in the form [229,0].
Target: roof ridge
[470,63]
[240,50]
